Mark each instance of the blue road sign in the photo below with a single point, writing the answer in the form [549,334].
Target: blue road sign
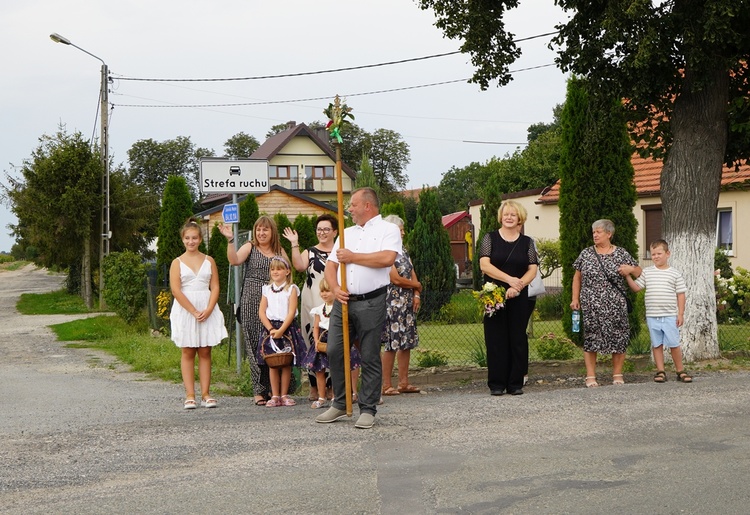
[231,213]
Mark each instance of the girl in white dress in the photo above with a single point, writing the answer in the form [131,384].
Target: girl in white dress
[196,325]
[278,310]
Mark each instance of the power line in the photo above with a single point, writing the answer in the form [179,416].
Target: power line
[327,97]
[319,72]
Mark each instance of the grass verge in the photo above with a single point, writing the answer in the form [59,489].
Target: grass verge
[156,356]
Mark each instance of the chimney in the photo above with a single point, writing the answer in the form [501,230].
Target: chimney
[291,124]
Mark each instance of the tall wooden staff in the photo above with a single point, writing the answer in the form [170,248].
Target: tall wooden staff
[337,115]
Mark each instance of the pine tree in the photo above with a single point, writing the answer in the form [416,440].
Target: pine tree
[493,197]
[366,176]
[430,251]
[249,213]
[217,249]
[596,181]
[394,208]
[176,208]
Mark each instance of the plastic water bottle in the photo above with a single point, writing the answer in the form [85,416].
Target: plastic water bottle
[576,321]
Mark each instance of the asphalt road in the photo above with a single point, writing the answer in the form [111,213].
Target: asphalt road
[80,435]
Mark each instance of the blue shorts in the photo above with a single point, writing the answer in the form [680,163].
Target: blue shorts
[664,331]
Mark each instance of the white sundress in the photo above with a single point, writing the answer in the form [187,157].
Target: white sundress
[186,330]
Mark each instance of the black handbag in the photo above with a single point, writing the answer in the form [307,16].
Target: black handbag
[238,310]
[604,271]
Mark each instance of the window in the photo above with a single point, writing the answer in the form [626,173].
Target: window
[724,238]
[319,172]
[652,218]
[282,172]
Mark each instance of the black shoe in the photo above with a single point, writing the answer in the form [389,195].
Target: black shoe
[517,392]
[497,392]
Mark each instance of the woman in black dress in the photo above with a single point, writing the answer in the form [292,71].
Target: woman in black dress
[508,259]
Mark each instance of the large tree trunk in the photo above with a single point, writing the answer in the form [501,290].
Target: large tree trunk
[690,184]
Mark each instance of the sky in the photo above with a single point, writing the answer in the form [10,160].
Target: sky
[47,84]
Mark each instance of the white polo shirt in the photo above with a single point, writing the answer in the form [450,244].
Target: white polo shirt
[374,236]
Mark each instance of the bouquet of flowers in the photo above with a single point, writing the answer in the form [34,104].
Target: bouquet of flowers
[491,298]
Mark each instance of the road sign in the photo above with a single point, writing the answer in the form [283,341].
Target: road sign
[231,213]
[234,176]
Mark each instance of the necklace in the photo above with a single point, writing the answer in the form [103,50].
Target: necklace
[281,288]
[326,314]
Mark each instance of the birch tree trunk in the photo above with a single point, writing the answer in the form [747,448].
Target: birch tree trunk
[690,184]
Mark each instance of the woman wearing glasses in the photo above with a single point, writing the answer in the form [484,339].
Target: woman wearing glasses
[312,261]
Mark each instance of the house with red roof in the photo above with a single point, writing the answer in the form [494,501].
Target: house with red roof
[733,206]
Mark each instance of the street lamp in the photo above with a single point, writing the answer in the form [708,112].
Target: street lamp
[106,232]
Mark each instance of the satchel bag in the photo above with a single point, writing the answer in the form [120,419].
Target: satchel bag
[627,299]
[536,286]
[322,346]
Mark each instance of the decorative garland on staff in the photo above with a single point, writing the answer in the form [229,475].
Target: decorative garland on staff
[337,117]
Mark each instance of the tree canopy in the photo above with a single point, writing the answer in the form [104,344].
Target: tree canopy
[240,146]
[681,69]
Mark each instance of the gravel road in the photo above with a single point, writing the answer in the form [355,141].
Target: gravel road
[80,434]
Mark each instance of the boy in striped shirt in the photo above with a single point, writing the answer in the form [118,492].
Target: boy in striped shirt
[665,306]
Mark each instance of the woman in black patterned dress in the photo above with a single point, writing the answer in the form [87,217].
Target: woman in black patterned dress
[256,256]
[603,307]
[508,259]
[312,261]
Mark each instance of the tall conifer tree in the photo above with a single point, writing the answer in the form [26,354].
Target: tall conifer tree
[596,180]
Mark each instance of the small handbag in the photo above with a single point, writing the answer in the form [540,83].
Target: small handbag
[536,286]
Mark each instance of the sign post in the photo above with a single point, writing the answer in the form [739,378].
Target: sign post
[234,176]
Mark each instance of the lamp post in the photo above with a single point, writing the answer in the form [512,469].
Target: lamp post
[106,232]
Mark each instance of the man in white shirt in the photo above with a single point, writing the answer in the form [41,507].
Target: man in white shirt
[372,246]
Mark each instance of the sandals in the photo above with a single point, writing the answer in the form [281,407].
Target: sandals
[660,377]
[591,382]
[273,402]
[619,381]
[320,403]
[391,391]
[189,404]
[683,377]
[408,389]
[210,402]
[287,401]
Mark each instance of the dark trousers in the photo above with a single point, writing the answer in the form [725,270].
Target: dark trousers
[507,345]
[366,321]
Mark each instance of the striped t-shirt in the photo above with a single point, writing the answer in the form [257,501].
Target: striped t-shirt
[662,287]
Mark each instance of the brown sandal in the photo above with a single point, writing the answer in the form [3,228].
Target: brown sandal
[660,376]
[683,377]
[391,391]
[408,389]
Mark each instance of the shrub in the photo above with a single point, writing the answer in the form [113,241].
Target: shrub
[733,297]
[427,358]
[549,306]
[125,284]
[552,347]
[462,309]
[479,352]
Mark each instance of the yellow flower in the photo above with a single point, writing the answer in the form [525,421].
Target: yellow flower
[163,304]
[491,298]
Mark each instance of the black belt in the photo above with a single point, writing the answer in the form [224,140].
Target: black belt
[370,295]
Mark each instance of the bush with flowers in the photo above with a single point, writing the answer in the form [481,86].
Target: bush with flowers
[733,297]
[163,308]
[491,298]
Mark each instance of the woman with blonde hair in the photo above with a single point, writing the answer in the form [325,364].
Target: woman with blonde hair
[508,259]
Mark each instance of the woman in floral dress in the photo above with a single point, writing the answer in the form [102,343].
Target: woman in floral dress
[400,331]
[599,292]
